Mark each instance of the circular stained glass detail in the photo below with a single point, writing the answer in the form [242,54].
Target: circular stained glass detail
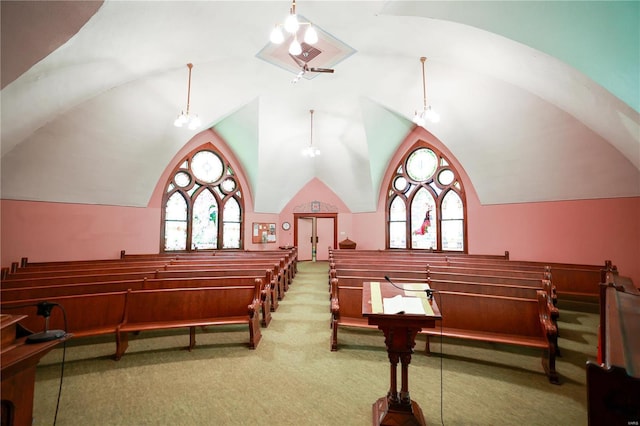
[228,186]
[400,184]
[207,166]
[182,179]
[445,177]
[421,164]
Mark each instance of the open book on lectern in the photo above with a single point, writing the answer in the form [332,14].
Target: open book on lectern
[403,305]
[413,300]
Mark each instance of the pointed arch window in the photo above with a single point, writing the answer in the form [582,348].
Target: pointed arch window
[202,205]
[426,206]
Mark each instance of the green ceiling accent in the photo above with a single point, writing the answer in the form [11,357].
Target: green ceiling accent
[385,131]
[240,130]
[599,38]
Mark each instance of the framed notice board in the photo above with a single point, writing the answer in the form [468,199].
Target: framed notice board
[263,233]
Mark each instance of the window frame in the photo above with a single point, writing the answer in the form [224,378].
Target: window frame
[190,195]
[408,197]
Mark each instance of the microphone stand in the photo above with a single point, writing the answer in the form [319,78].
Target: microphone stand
[429,291]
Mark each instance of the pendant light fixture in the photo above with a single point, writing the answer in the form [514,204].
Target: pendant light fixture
[427,113]
[191,121]
[291,26]
[311,151]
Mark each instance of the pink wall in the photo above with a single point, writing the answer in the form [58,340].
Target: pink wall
[582,231]
[58,231]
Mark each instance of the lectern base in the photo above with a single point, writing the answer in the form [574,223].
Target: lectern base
[384,415]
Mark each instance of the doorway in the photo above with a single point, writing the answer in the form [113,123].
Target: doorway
[314,234]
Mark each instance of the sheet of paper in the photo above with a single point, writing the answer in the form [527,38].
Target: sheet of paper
[393,305]
[413,305]
[403,305]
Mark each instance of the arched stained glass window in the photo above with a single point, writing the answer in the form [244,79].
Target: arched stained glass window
[202,205]
[426,203]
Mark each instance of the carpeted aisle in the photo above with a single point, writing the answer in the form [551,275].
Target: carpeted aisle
[293,378]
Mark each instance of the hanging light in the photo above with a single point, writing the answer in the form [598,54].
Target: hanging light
[191,121]
[427,113]
[311,151]
[291,26]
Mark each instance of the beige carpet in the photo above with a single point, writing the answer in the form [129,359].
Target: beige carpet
[293,378]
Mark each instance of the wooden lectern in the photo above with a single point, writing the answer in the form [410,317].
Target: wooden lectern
[19,360]
[400,330]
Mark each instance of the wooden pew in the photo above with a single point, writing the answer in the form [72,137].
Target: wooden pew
[264,299]
[269,276]
[189,308]
[613,382]
[518,286]
[289,255]
[500,319]
[103,313]
[572,281]
[92,271]
[494,318]
[283,269]
[414,253]
[130,263]
[96,265]
[86,314]
[278,272]
[74,279]
[53,291]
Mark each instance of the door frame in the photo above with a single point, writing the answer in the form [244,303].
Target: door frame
[333,216]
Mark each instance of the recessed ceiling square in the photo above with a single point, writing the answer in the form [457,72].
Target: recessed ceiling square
[326,53]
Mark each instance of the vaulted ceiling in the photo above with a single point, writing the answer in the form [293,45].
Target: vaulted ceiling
[539,100]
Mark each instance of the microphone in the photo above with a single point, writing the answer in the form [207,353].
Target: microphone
[44,310]
[429,291]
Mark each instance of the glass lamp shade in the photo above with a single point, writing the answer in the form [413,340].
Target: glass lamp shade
[194,122]
[181,120]
[418,118]
[291,24]
[431,115]
[191,121]
[295,48]
[428,114]
[311,35]
[311,152]
[276,35]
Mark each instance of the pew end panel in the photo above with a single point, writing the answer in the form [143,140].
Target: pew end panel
[346,310]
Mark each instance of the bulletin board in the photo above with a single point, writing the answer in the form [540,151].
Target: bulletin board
[263,233]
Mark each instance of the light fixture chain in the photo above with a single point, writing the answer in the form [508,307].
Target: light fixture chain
[424,84]
[190,65]
[311,138]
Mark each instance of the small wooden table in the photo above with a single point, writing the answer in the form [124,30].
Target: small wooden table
[400,330]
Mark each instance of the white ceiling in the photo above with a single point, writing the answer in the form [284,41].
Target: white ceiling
[539,100]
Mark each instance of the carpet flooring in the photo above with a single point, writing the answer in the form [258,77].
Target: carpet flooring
[292,377]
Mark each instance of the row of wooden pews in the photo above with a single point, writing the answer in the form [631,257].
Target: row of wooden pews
[572,281]
[151,291]
[485,298]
